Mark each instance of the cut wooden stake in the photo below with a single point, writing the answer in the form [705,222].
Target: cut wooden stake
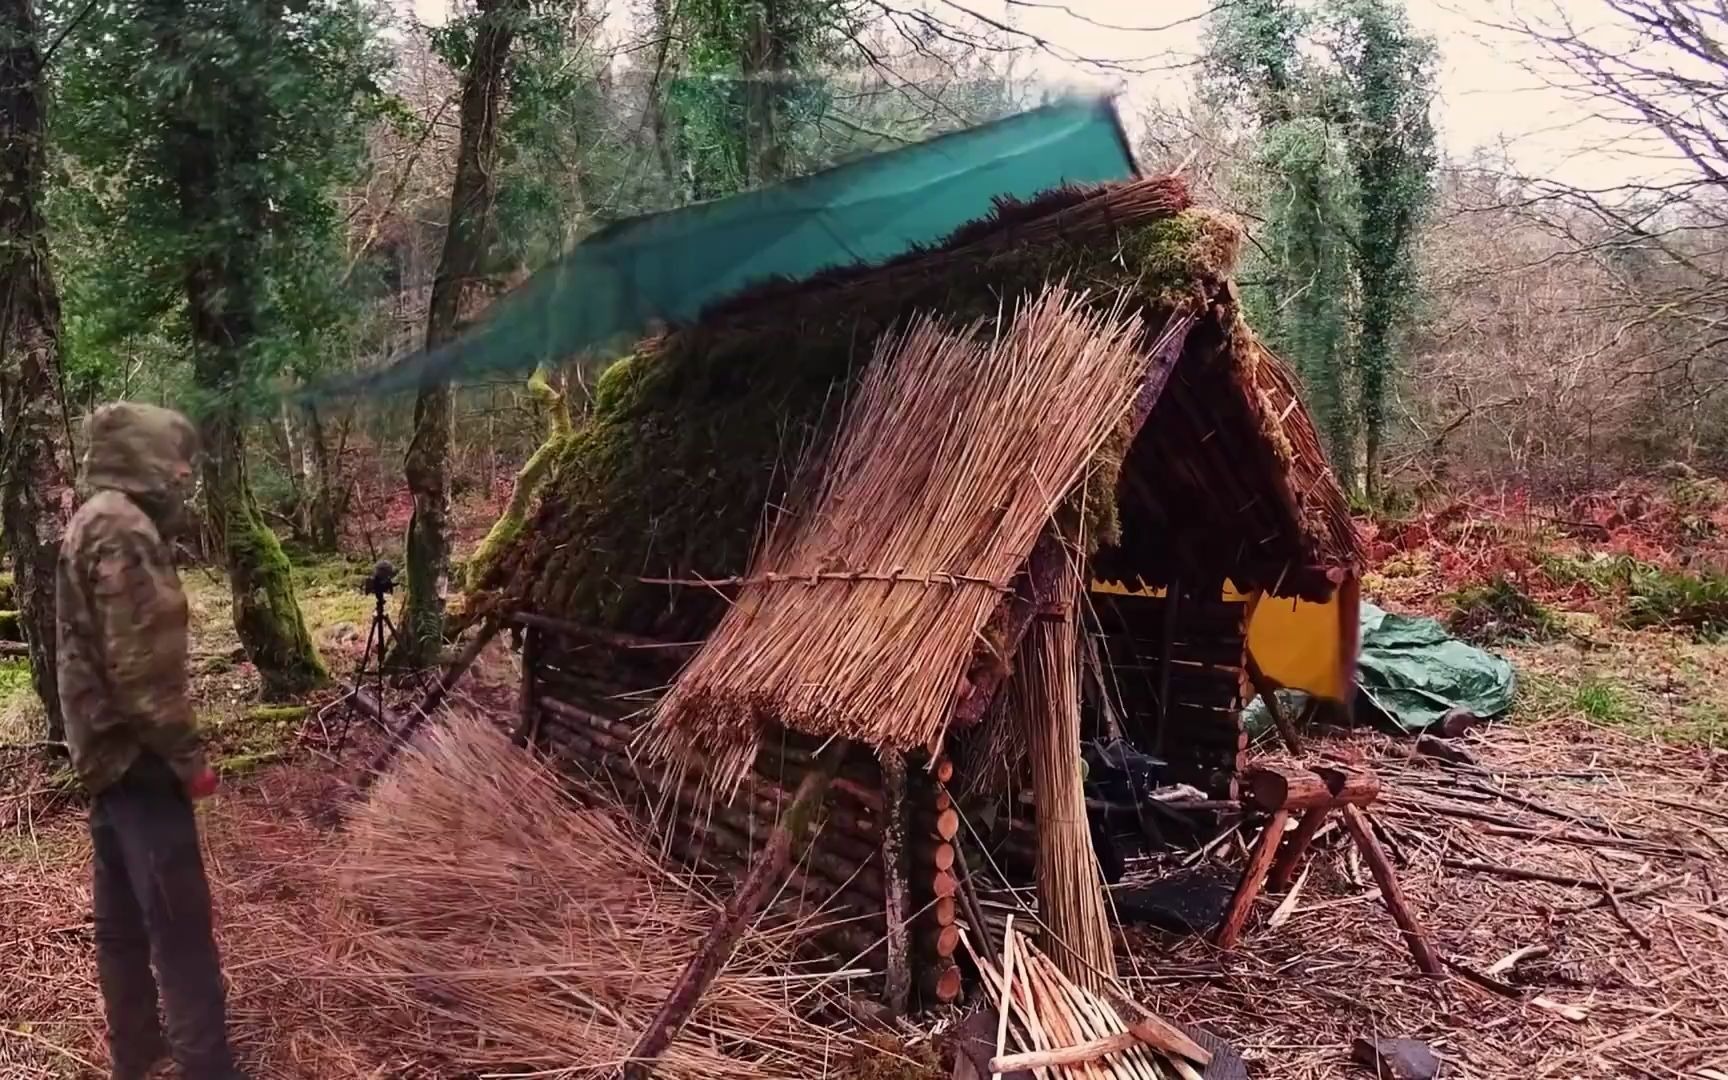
[898,977]
[1385,877]
[752,895]
[1079,1054]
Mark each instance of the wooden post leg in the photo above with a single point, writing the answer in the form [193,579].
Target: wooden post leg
[1269,694]
[1384,876]
[1290,856]
[1253,877]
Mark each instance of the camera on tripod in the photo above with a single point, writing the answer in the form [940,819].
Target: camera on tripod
[381,582]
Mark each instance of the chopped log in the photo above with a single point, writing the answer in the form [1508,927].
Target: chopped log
[939,855]
[898,988]
[944,885]
[942,769]
[944,825]
[1285,787]
[944,910]
[1355,787]
[943,983]
[944,940]
[1253,878]
[429,702]
[1384,876]
[765,875]
[1295,847]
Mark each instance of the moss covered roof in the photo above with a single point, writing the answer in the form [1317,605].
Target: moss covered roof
[695,442]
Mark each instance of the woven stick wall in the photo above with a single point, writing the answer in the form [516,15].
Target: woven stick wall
[859,621]
[1046,700]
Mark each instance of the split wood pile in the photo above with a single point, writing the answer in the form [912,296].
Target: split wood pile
[1056,1029]
[861,620]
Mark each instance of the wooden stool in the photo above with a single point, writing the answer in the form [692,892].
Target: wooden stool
[1316,793]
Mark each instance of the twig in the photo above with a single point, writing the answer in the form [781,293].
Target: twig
[1484,980]
[1619,911]
[1519,873]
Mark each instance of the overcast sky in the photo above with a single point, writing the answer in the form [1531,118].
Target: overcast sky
[1488,96]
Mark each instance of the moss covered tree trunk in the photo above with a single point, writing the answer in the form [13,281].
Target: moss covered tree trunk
[35,460]
[214,137]
[427,466]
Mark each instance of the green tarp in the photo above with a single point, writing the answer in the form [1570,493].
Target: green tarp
[1413,671]
[670,266]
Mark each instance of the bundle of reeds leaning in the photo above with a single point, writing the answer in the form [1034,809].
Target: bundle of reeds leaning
[1056,1030]
[505,927]
[859,620]
[1046,699]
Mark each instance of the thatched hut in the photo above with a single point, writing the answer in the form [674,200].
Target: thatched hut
[1211,517]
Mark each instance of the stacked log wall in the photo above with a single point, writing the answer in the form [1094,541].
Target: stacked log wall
[582,703]
[1189,711]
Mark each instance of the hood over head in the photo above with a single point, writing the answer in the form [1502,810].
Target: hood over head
[144,451]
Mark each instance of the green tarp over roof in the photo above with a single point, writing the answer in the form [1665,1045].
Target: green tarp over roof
[669,266]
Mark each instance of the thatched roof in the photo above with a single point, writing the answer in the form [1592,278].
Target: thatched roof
[694,442]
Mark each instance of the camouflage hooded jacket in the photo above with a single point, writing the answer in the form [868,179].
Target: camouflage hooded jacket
[122,614]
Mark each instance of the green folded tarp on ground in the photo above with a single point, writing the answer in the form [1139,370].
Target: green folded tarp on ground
[608,289]
[1415,672]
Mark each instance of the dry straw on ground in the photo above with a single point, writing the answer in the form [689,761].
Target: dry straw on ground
[544,935]
[860,620]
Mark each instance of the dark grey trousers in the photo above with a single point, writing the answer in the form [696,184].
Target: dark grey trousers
[152,907]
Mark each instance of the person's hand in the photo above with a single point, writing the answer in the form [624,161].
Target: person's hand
[203,785]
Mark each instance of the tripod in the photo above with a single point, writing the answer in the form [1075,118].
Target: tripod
[379,638]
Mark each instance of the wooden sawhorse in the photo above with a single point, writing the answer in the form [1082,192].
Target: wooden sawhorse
[1315,793]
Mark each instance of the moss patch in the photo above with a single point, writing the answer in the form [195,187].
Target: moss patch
[696,443]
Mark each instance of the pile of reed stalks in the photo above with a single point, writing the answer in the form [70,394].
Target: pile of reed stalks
[859,620]
[521,931]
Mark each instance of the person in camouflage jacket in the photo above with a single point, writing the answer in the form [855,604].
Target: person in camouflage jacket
[122,619]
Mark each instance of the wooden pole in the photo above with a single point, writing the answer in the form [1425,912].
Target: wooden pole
[1290,855]
[1384,876]
[527,716]
[1253,878]
[764,878]
[1269,694]
[428,703]
[897,984]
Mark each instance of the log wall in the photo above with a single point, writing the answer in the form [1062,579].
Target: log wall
[582,702]
[1189,710]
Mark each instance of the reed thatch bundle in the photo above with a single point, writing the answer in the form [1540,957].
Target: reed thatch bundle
[1046,699]
[860,620]
[532,934]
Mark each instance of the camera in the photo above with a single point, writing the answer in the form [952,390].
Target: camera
[381,581]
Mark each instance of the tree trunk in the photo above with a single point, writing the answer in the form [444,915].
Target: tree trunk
[222,211]
[465,241]
[327,501]
[36,480]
